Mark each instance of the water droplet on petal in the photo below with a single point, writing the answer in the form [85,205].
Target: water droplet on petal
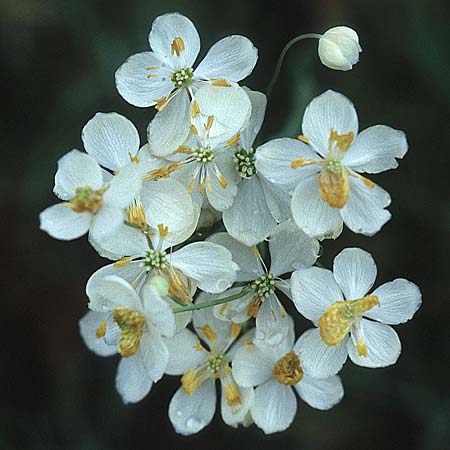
[195,423]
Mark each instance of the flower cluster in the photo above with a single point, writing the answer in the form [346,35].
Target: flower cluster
[181,300]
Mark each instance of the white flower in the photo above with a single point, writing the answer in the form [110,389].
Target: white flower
[338,303]
[193,405]
[259,205]
[290,249]
[122,322]
[339,48]
[275,370]
[324,175]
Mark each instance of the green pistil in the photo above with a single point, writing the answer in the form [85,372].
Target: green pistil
[154,260]
[264,285]
[245,163]
[182,77]
[203,155]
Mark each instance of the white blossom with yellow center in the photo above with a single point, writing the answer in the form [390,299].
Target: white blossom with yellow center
[349,320]
[322,168]
[193,405]
[273,371]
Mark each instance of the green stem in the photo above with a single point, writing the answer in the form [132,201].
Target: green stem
[219,301]
[293,41]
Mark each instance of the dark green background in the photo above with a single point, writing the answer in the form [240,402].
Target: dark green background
[58,63]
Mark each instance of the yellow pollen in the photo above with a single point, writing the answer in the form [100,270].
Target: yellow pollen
[234,139]
[223,182]
[161,103]
[232,396]
[209,122]
[248,342]
[301,162]
[177,46]
[343,141]
[195,109]
[191,185]
[163,172]
[122,262]
[192,379]
[176,286]
[220,82]
[235,329]
[361,348]
[184,149]
[288,370]
[337,320]
[256,251]
[198,346]
[163,230]
[101,330]
[223,310]
[133,159]
[131,324]
[201,187]
[282,312]
[150,69]
[208,183]
[253,307]
[334,187]
[193,129]
[303,138]
[209,333]
[136,215]
[86,200]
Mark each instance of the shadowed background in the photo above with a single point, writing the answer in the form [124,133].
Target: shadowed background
[58,63]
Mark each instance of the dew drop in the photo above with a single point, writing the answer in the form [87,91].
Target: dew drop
[195,423]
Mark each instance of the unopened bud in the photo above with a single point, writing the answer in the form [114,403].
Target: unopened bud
[339,48]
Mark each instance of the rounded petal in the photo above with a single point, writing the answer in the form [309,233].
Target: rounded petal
[191,413]
[76,169]
[207,263]
[184,353]
[274,406]
[274,159]
[313,291]
[272,321]
[290,249]
[311,213]
[355,272]
[259,104]
[110,139]
[235,311]
[382,342]
[61,222]
[249,219]
[171,26]
[235,414]
[170,127]
[399,301]
[232,58]
[278,200]
[141,80]
[155,355]
[88,328]
[221,196]
[132,381]
[318,359]
[364,211]
[329,111]
[130,272]
[376,149]
[106,222]
[320,393]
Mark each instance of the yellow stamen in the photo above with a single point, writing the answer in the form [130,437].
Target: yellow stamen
[288,370]
[193,129]
[198,346]
[195,109]
[101,330]
[223,182]
[131,324]
[234,139]
[301,162]
[163,172]
[343,141]
[256,251]
[86,200]
[123,261]
[136,215]
[361,347]
[161,103]
[220,82]
[191,185]
[208,183]
[303,138]
[163,230]
[184,149]
[232,396]
[209,122]
[334,187]
[253,307]
[177,46]
[192,379]
[248,342]
[235,329]
[133,159]
[209,333]
[177,288]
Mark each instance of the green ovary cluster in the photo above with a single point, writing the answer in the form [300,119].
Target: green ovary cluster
[154,260]
[245,163]
[334,166]
[264,285]
[182,77]
[203,155]
[215,362]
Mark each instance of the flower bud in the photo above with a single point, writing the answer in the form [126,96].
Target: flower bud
[339,48]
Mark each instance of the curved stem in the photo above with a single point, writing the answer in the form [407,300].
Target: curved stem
[219,301]
[293,41]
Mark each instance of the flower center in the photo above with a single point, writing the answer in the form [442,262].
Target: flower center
[245,163]
[288,370]
[131,324]
[334,166]
[215,362]
[86,200]
[203,154]
[338,319]
[182,78]
[264,285]
[154,260]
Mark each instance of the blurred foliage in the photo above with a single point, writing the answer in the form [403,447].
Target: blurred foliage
[58,63]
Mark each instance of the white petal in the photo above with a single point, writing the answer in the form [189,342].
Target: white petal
[313,291]
[277,198]
[183,354]
[207,263]
[243,256]
[318,359]
[155,355]
[232,58]
[383,345]
[132,381]
[110,138]
[399,301]
[61,222]
[246,397]
[235,311]
[329,111]
[221,197]
[109,292]
[274,407]
[249,219]
[274,159]
[364,211]
[253,365]
[76,169]
[88,327]
[106,222]
[290,249]
[320,393]
[134,84]
[130,273]
[168,27]
[170,127]
[311,213]
[259,103]
[191,413]
[272,321]
[376,149]
[355,272]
